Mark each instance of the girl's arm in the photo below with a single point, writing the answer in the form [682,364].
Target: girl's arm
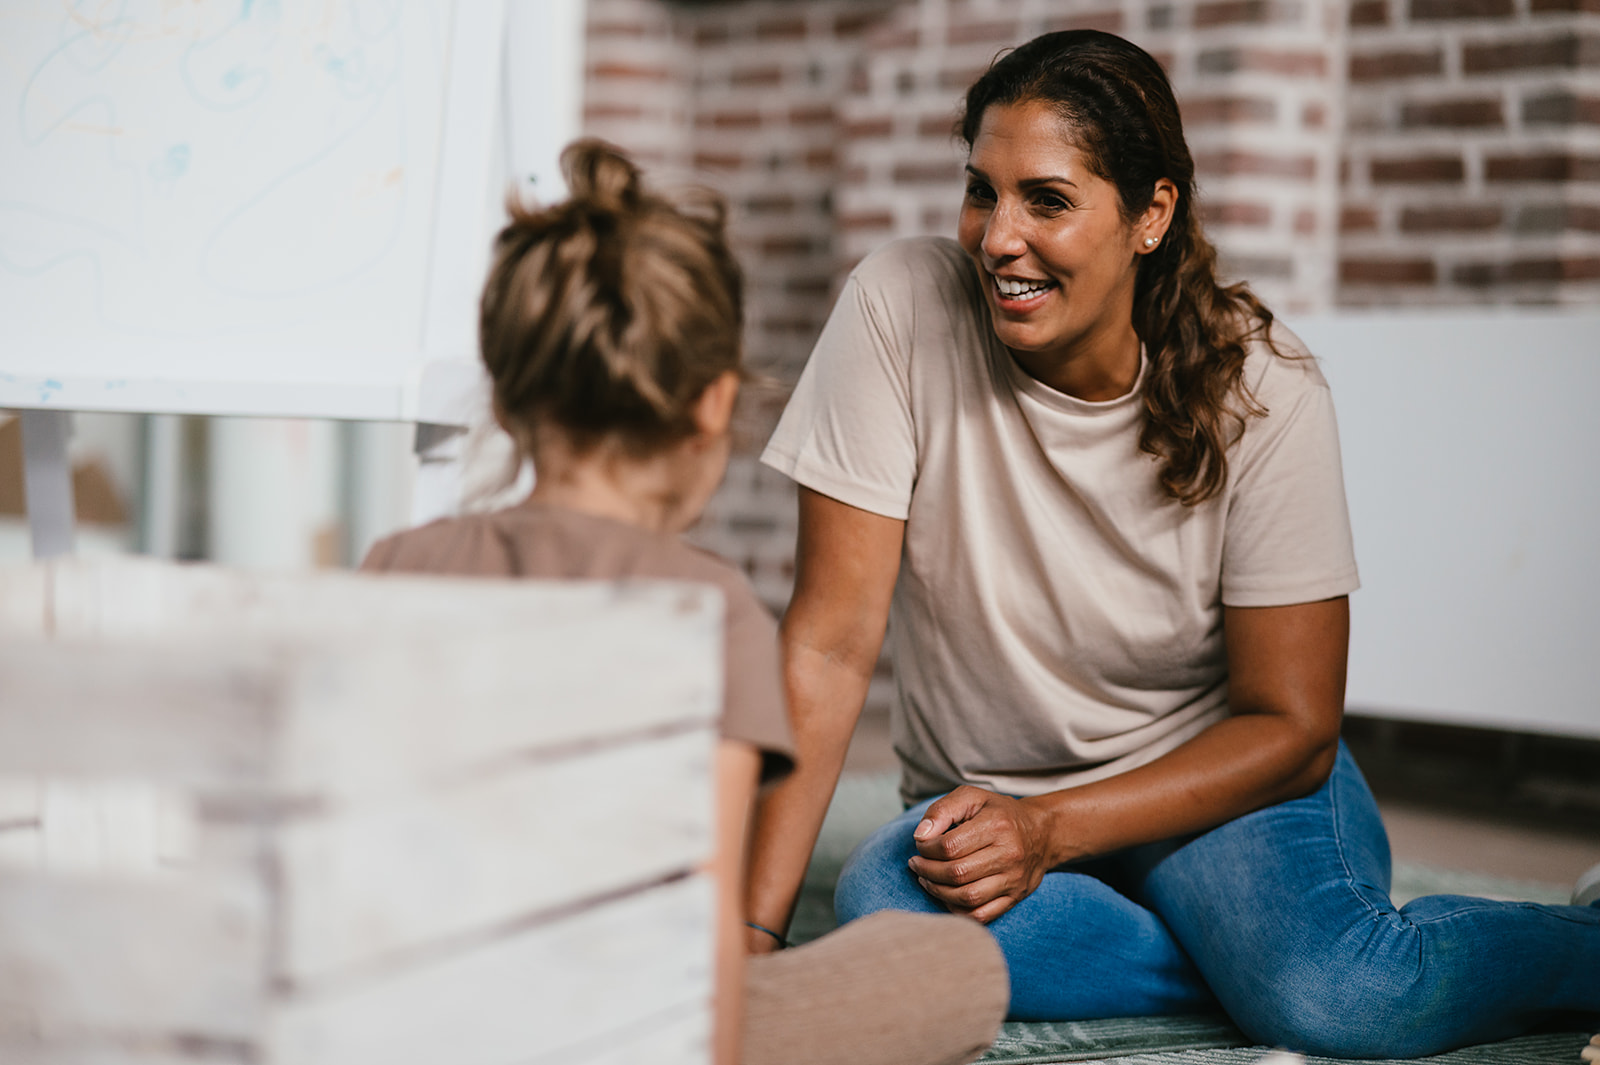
[845,567]
[981,853]
[738,768]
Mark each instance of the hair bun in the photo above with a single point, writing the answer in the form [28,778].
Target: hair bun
[600,176]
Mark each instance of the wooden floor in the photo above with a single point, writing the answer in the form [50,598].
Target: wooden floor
[1429,826]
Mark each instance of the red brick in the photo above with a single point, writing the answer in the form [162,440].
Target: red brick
[1562,109]
[781,29]
[811,115]
[1109,21]
[1566,7]
[614,71]
[718,160]
[858,221]
[1254,163]
[787,246]
[712,33]
[821,159]
[1387,271]
[1543,167]
[1551,218]
[1560,51]
[937,126]
[1435,169]
[1235,214]
[619,31]
[1286,61]
[1233,12]
[1305,222]
[1228,110]
[927,173]
[1314,116]
[1391,65]
[993,31]
[1460,218]
[890,38]
[729,120]
[598,112]
[751,77]
[851,23]
[1369,13]
[808,287]
[1357,220]
[770,204]
[1480,113]
[869,128]
[1524,271]
[957,79]
[1441,10]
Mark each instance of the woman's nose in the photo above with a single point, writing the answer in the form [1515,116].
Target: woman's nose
[1003,235]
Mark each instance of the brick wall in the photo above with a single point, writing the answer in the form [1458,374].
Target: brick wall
[1473,162]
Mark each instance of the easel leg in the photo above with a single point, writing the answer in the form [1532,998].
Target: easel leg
[47,477]
[436,493]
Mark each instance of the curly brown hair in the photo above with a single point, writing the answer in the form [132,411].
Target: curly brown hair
[1116,101]
[608,314]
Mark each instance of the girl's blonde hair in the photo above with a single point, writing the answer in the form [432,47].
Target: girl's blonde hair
[606,315]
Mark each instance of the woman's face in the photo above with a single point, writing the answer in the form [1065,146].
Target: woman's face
[1056,255]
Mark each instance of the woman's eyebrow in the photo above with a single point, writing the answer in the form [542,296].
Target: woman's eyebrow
[1027,183]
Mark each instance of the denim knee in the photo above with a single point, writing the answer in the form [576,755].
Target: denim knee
[875,876]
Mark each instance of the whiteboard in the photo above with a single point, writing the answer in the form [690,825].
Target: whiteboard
[244,207]
[1469,441]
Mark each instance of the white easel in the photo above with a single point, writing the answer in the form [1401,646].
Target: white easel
[498,119]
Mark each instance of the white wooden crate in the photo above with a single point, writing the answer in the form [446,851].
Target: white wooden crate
[347,819]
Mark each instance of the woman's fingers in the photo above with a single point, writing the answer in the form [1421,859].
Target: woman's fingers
[948,811]
[979,896]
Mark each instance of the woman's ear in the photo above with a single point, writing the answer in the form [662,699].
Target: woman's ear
[713,410]
[1152,226]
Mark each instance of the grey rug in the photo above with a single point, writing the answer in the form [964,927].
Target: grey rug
[865,801]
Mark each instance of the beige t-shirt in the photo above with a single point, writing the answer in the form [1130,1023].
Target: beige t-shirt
[1057,618]
[534,540]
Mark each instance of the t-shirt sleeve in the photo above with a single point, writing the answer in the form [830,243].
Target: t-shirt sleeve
[1288,528]
[753,704]
[848,431]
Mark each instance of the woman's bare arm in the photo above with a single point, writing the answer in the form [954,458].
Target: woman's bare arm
[845,568]
[981,853]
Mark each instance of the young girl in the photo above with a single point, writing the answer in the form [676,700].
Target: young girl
[610,327]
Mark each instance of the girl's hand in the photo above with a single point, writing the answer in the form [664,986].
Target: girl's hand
[980,853]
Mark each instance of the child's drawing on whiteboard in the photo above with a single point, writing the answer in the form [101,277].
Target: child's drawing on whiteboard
[248,171]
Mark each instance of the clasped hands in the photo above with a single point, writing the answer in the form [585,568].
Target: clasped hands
[980,853]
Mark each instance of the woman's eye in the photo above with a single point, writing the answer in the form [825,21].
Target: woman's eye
[978,192]
[1050,202]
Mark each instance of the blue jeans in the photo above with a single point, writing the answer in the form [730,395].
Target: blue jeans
[1283,918]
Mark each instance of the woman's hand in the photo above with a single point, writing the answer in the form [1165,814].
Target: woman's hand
[980,853]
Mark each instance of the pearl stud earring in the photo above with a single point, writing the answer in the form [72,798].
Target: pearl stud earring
[1149,242]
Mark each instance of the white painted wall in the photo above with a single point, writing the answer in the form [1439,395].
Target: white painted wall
[1470,442]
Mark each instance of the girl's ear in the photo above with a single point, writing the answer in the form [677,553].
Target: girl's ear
[713,410]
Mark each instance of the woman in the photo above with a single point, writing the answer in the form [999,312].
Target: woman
[1099,494]
[610,328]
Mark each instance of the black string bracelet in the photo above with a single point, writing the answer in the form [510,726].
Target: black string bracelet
[783,944]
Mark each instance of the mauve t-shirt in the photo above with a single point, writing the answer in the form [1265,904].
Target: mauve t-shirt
[540,541]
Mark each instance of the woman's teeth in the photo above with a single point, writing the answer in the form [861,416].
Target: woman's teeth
[1020,289]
